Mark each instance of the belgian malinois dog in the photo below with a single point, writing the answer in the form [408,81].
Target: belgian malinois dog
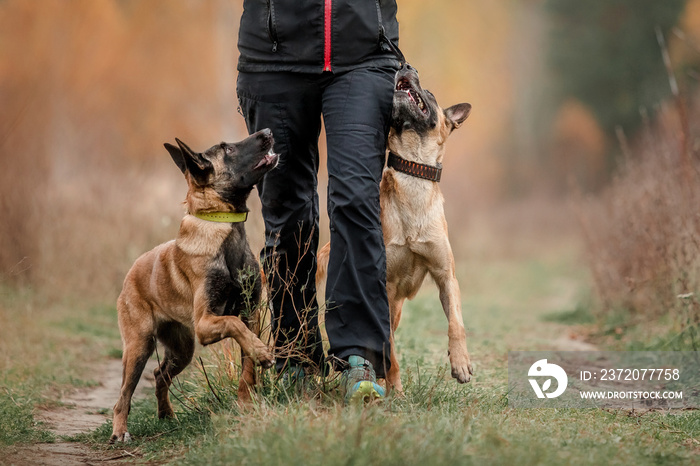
[193,285]
[413,217]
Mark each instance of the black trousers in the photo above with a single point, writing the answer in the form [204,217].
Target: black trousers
[356,109]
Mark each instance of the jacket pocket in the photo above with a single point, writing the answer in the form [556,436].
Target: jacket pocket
[255,38]
[272,24]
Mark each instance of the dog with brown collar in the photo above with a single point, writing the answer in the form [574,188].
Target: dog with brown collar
[195,285]
[413,216]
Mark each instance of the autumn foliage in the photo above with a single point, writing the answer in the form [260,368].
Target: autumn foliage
[90,90]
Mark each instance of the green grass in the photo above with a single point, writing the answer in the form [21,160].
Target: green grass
[45,350]
[152,437]
[508,304]
[580,315]
[18,425]
[437,422]
[483,434]
[622,330]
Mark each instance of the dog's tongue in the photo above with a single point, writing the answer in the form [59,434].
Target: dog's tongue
[267,159]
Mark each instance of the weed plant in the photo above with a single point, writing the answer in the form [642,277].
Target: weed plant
[642,234]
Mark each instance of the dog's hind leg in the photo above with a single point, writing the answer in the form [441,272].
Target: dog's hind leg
[138,347]
[178,341]
[393,376]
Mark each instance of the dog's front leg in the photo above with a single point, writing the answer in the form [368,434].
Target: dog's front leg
[248,376]
[211,328]
[452,305]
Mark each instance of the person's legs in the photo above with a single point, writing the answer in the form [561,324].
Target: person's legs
[357,112]
[290,105]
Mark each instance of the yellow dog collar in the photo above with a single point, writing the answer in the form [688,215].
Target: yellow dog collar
[223,217]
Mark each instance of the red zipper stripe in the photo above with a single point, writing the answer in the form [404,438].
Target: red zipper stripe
[327,36]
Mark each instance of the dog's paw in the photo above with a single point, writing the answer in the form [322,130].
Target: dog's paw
[120,438]
[393,383]
[166,412]
[263,357]
[463,374]
[397,392]
[268,361]
[461,368]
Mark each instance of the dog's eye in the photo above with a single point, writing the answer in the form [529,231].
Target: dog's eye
[228,150]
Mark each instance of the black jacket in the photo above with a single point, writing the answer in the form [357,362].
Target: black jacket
[303,36]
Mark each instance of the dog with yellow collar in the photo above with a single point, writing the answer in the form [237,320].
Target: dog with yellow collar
[191,287]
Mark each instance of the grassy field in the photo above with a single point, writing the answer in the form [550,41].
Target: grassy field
[517,298]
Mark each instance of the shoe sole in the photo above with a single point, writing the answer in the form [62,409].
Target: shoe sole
[365,392]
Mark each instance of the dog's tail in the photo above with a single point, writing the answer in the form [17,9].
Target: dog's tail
[322,266]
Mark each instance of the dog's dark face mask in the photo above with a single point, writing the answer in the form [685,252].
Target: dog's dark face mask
[414,107]
[230,169]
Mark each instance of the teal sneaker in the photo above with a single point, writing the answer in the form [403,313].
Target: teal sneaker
[358,383]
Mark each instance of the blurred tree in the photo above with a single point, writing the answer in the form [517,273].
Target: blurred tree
[578,148]
[89,91]
[605,54]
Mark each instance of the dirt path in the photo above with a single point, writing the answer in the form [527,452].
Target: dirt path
[80,414]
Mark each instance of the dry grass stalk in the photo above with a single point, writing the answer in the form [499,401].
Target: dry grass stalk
[643,232]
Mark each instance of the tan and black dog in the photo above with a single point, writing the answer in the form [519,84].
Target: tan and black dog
[193,286]
[413,217]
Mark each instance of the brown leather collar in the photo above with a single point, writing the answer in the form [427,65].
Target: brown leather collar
[419,170]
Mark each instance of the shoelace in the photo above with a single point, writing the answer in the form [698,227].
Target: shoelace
[366,371]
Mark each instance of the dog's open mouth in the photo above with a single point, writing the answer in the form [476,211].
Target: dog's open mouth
[269,160]
[404,85]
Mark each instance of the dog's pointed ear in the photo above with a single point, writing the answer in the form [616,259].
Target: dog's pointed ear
[177,156]
[457,114]
[198,166]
